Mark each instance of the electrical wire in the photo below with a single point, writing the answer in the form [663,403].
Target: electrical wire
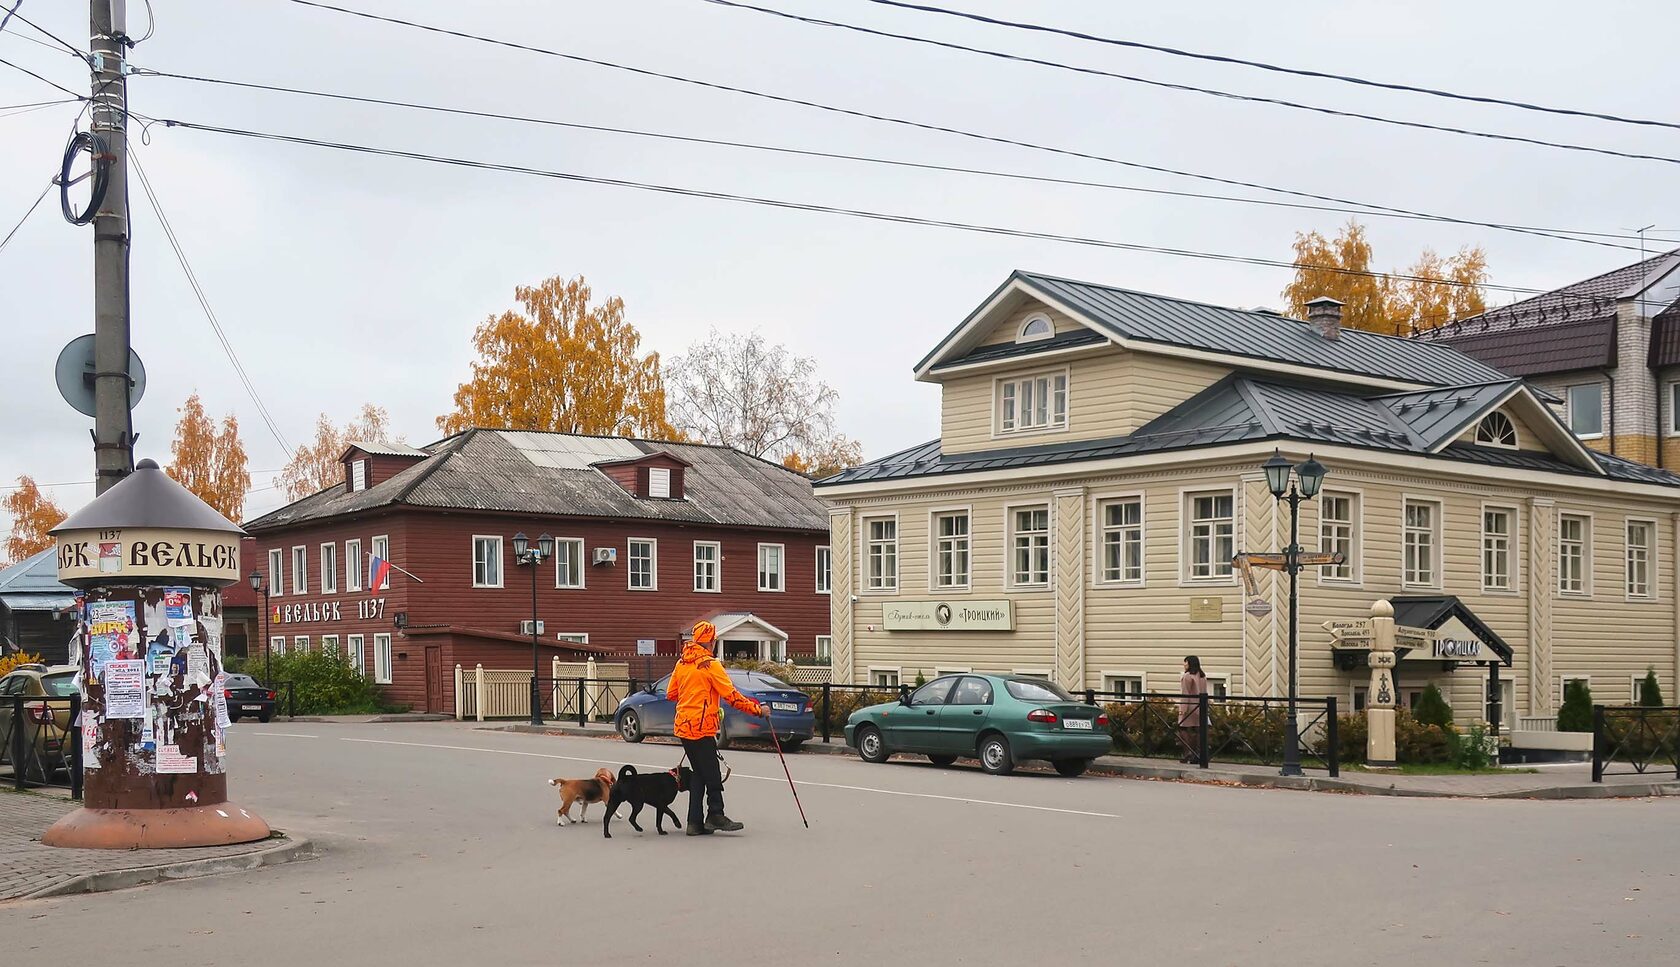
[60,41]
[1277,68]
[920,125]
[1189,88]
[40,78]
[204,303]
[37,204]
[843,156]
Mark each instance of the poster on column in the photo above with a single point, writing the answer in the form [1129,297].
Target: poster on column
[220,691]
[111,632]
[171,761]
[125,688]
[177,606]
[90,742]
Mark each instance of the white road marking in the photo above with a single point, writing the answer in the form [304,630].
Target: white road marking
[741,775]
[285,735]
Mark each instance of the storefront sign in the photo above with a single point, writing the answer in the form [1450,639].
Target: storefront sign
[306,611]
[948,616]
[1452,642]
[140,554]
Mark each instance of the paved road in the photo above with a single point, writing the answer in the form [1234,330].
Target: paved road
[442,849]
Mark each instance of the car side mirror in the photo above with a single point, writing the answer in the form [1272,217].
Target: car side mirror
[904,700]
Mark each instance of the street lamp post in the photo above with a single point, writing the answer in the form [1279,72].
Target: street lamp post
[525,555]
[268,665]
[1310,476]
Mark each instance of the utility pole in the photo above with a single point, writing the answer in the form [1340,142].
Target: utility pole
[113,429]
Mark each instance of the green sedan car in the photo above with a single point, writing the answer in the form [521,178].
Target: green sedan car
[998,719]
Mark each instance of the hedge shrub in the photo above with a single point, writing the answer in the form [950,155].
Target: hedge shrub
[1576,713]
[1650,694]
[1432,709]
[323,683]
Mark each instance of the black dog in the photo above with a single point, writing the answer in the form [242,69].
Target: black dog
[658,790]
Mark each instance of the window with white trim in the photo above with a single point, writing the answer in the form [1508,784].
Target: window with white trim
[1674,409]
[1036,328]
[358,660]
[1127,685]
[1122,540]
[1421,567]
[1497,430]
[277,645]
[1033,403]
[1584,404]
[381,547]
[358,475]
[382,659]
[568,562]
[882,573]
[644,566]
[1211,534]
[825,569]
[1640,538]
[329,568]
[825,647]
[1029,546]
[770,561]
[884,677]
[659,482]
[573,637]
[1498,533]
[1564,682]
[329,643]
[1219,686]
[300,570]
[353,565]
[487,561]
[1338,517]
[1574,553]
[951,550]
[300,643]
[276,572]
[708,556]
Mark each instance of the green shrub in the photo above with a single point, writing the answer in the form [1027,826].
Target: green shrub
[1145,728]
[1650,694]
[1576,713]
[920,679]
[323,683]
[1470,750]
[781,670]
[1248,729]
[1353,732]
[1432,709]
[1421,742]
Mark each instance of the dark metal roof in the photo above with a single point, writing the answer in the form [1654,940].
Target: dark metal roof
[1433,611]
[555,474]
[1665,338]
[1536,350]
[1010,350]
[148,497]
[1586,300]
[1438,414]
[35,574]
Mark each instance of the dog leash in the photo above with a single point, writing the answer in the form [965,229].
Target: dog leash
[722,762]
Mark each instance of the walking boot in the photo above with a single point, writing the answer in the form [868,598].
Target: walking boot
[722,824]
[697,829]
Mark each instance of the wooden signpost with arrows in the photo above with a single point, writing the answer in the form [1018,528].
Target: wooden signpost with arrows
[1245,564]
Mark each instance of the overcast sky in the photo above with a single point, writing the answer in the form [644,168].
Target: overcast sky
[342,278]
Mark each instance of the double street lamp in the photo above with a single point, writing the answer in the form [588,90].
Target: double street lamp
[268,666]
[525,555]
[1308,479]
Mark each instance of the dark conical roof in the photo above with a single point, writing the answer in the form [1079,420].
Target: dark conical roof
[148,497]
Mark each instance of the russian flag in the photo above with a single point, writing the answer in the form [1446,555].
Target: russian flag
[379,570]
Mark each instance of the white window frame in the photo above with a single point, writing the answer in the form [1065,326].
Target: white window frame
[276,572]
[1569,408]
[572,637]
[1012,425]
[824,647]
[1563,685]
[1021,330]
[300,643]
[329,641]
[500,559]
[940,671]
[355,643]
[1650,526]
[329,568]
[1507,703]
[300,569]
[1355,576]
[1674,408]
[716,563]
[1042,673]
[779,585]
[1219,684]
[1516,438]
[889,577]
[936,549]
[630,563]
[354,563]
[896,671]
[277,645]
[825,569]
[1111,679]
[661,474]
[1586,542]
[582,565]
[1438,552]
[1099,514]
[1011,576]
[1513,560]
[381,541]
[1186,575]
[358,475]
[382,658]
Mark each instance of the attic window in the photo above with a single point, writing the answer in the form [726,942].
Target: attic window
[1496,430]
[1036,328]
[358,475]
[659,482]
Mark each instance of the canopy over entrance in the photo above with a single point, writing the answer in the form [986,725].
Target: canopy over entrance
[1457,635]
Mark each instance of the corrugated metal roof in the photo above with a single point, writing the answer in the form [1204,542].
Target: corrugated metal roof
[1433,415]
[1537,350]
[386,449]
[36,573]
[1665,338]
[1588,299]
[38,601]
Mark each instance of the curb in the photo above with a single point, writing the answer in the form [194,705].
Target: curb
[292,849]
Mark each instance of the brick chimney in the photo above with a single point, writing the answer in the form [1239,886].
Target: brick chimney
[1325,314]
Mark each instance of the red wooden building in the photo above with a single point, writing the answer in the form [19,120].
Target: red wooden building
[649,538]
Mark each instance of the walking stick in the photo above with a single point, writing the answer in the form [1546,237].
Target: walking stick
[785,772]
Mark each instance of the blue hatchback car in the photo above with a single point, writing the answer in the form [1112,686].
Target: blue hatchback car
[649,712]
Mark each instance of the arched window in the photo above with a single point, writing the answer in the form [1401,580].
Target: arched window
[1496,430]
[1036,328]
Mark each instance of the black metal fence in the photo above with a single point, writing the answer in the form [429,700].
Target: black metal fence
[41,741]
[1635,740]
[1202,729]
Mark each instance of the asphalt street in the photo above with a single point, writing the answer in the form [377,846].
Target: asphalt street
[439,847]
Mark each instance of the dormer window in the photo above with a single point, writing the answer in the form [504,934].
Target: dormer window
[1036,328]
[358,475]
[659,482]
[1036,402]
[1497,430]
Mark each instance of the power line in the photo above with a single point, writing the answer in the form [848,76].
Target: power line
[920,125]
[88,483]
[25,218]
[843,156]
[204,303]
[60,41]
[1189,88]
[1277,68]
[41,79]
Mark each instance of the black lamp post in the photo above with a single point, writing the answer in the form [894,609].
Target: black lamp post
[1310,477]
[527,556]
[268,665]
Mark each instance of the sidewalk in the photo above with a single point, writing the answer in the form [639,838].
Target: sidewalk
[29,870]
[1563,781]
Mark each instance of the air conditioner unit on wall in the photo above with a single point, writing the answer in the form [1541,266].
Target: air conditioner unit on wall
[606,555]
[525,627]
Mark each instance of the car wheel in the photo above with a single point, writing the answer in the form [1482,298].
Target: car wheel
[942,760]
[871,747]
[233,716]
[630,726]
[264,717]
[792,745]
[995,756]
[1072,768]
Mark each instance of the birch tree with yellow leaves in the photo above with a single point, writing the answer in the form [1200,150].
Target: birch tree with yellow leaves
[210,461]
[1401,304]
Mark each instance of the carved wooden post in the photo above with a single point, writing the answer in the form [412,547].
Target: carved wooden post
[1380,699]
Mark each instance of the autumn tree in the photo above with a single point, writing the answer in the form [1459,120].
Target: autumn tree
[1399,304]
[33,515]
[315,467]
[209,461]
[562,365]
[742,392]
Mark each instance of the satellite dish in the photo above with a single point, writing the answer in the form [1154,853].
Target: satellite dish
[74,374]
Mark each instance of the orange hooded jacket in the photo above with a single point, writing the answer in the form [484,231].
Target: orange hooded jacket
[700,686]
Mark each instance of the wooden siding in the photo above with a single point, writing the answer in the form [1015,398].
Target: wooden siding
[1527,439]
[1007,329]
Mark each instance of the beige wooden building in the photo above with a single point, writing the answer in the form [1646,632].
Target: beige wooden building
[1099,465]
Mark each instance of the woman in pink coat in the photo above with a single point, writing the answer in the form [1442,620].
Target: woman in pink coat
[1190,684]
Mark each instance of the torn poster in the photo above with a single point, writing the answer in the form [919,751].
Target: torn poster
[198,665]
[90,742]
[170,761]
[161,650]
[111,632]
[148,730]
[177,606]
[125,688]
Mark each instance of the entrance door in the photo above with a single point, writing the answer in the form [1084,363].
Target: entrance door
[434,678]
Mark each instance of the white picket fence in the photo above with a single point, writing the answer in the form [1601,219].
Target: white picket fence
[498,693]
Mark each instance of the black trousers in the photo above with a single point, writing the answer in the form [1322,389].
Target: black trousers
[705,790]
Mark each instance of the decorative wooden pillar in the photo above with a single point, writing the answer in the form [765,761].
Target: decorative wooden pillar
[1542,585]
[1380,697]
[842,585]
[1070,558]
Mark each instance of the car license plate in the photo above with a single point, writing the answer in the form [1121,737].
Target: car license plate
[1083,725]
[784,706]
[250,708]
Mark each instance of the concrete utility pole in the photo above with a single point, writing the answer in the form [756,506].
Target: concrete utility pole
[113,430]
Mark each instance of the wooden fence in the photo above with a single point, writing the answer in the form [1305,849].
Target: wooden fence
[496,693]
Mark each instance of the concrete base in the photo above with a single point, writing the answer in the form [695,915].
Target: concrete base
[219,825]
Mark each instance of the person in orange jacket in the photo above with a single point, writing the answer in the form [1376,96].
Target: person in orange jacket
[700,686]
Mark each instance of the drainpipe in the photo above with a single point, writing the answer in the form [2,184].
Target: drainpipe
[1611,379]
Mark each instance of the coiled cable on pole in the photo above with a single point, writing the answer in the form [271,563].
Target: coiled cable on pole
[100,158]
